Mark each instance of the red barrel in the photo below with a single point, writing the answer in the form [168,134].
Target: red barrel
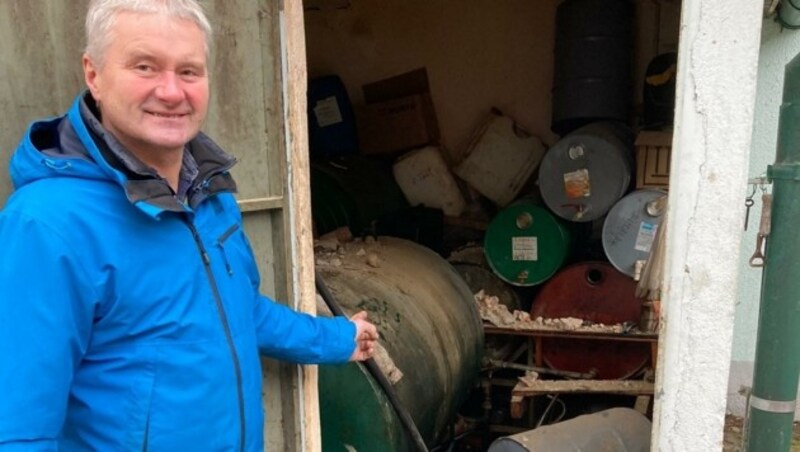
[598,293]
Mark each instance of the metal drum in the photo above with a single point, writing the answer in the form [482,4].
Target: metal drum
[525,244]
[587,171]
[630,227]
[598,293]
[430,329]
[592,66]
[470,263]
[352,191]
[614,430]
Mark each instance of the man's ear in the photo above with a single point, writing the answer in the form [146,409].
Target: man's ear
[91,76]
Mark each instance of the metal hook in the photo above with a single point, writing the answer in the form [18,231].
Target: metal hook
[753,192]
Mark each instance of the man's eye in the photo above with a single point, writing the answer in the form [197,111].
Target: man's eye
[143,67]
[191,73]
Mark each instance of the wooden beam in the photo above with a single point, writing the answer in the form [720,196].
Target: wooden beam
[260,204]
[299,194]
[623,387]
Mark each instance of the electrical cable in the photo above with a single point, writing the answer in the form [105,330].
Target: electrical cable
[405,418]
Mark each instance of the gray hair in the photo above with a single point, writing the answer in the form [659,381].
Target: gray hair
[102,15]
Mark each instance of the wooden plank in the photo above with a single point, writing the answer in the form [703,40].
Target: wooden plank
[623,387]
[261,204]
[299,195]
[575,334]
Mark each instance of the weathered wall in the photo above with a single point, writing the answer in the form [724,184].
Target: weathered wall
[40,45]
[714,113]
[478,55]
[778,47]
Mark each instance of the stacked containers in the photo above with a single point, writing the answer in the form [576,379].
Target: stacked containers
[525,244]
[592,63]
[598,293]
[630,228]
[587,171]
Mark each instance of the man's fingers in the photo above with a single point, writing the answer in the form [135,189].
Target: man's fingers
[360,315]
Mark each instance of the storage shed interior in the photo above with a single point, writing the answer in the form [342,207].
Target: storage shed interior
[462,126]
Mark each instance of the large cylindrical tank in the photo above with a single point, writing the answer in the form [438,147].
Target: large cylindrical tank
[587,171]
[431,331]
[592,69]
[598,293]
[352,191]
[613,430]
[525,244]
[630,228]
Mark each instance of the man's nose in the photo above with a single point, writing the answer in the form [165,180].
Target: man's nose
[169,88]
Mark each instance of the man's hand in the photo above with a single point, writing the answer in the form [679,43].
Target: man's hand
[366,335]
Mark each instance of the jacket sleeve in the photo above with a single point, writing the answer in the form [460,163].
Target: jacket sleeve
[45,323]
[286,334]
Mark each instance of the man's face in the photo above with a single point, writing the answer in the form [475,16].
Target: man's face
[152,87]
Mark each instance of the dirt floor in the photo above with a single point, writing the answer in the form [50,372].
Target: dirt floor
[733,435]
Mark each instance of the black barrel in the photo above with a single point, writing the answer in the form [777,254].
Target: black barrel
[592,73]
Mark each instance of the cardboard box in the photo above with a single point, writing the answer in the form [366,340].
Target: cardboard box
[653,153]
[398,115]
[397,125]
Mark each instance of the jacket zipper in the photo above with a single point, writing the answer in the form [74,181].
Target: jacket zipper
[221,244]
[225,326]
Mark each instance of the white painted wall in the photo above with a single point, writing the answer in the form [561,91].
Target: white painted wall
[777,49]
[717,69]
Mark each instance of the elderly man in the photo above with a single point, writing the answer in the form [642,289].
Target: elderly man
[130,317]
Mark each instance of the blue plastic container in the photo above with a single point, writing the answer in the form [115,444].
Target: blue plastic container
[331,121]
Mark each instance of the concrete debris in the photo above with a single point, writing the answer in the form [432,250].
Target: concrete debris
[361,252]
[373,260]
[493,311]
[330,245]
[497,314]
[342,235]
[529,378]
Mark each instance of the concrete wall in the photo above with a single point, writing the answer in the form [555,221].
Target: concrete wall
[717,69]
[777,48]
[478,55]
[487,54]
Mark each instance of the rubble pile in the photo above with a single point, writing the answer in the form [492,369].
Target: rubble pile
[497,314]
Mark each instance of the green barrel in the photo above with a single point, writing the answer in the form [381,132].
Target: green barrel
[430,330]
[352,191]
[525,244]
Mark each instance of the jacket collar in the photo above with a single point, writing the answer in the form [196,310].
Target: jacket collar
[143,186]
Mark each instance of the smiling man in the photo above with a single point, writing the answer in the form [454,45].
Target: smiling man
[130,317]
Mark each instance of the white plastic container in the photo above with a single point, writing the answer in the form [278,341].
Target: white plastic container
[425,179]
[500,158]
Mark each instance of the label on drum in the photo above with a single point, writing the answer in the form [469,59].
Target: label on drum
[576,184]
[644,239]
[327,112]
[524,249]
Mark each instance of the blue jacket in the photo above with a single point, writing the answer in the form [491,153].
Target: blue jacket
[128,320]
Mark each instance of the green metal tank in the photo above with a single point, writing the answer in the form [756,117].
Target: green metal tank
[352,191]
[525,244]
[431,333]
